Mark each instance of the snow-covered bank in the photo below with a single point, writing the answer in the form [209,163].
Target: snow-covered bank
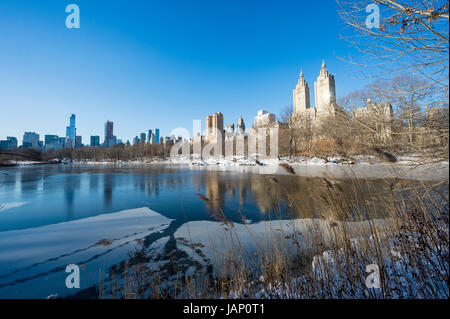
[25,163]
[33,261]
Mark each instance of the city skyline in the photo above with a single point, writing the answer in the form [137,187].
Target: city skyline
[325,103]
[325,106]
[151,71]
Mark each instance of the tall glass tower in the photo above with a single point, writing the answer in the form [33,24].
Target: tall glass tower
[109,134]
[71,131]
[156,135]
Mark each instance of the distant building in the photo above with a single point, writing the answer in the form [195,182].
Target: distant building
[78,142]
[240,125]
[156,135]
[378,116]
[264,118]
[68,143]
[142,138]
[8,144]
[136,140]
[62,141]
[12,141]
[50,139]
[149,136]
[109,134]
[214,126]
[153,136]
[168,141]
[52,142]
[71,131]
[152,139]
[230,128]
[31,140]
[95,140]
[324,97]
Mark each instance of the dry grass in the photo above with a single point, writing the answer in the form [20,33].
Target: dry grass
[409,245]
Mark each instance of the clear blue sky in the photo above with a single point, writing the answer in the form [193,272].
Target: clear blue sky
[146,64]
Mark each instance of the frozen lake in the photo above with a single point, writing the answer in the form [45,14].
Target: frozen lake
[94,215]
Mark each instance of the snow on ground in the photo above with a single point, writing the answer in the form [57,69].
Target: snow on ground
[33,261]
[336,277]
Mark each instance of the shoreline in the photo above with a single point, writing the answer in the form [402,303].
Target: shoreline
[407,167]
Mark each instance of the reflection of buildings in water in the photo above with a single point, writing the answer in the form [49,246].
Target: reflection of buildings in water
[198,180]
[215,191]
[71,186]
[29,182]
[153,185]
[17,181]
[337,199]
[291,196]
[47,183]
[142,184]
[306,199]
[242,191]
[218,188]
[108,188]
[93,182]
[173,182]
[266,195]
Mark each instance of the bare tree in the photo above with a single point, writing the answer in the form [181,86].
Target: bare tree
[286,113]
[411,37]
[408,93]
[287,141]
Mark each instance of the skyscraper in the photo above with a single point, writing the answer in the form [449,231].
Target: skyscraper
[52,142]
[30,139]
[8,144]
[240,125]
[214,125]
[156,135]
[71,131]
[301,95]
[78,141]
[95,140]
[324,90]
[109,134]
[51,139]
[142,139]
[149,136]
[152,139]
